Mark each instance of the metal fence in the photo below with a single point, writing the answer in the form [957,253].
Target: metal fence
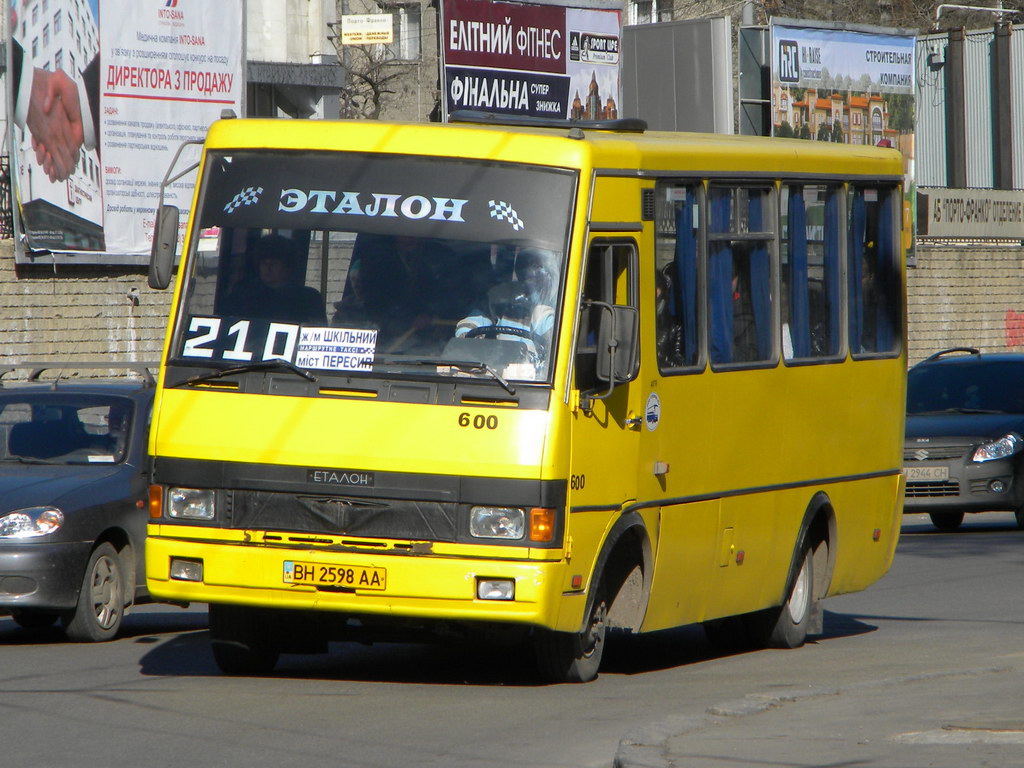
[6,209]
[970,101]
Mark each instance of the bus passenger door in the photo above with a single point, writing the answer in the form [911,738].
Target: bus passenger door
[607,422]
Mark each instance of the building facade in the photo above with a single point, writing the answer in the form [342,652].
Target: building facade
[297,67]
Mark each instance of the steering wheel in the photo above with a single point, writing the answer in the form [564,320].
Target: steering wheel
[493,331]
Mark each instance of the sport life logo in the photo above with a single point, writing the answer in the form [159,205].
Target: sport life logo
[789,61]
[503,211]
[248,196]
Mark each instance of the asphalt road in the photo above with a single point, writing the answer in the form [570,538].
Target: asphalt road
[923,669]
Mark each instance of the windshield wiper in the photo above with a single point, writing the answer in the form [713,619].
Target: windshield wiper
[263,365]
[468,366]
[32,460]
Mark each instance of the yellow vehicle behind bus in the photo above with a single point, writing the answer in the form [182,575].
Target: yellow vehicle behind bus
[539,380]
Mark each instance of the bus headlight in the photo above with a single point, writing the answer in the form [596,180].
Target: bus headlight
[497,522]
[1005,446]
[190,504]
[30,522]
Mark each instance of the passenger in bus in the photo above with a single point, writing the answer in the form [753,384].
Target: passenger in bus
[519,309]
[669,330]
[416,294]
[396,286]
[744,324]
[275,292]
[870,300]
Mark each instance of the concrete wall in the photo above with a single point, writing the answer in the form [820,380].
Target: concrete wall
[956,297]
[79,314]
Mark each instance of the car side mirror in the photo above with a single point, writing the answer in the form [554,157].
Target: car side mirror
[165,246]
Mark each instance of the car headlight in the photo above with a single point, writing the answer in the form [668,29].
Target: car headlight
[1005,446]
[31,522]
[497,522]
[191,504]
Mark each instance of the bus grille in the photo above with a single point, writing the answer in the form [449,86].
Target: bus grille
[381,518]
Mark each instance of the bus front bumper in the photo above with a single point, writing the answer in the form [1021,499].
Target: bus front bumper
[442,587]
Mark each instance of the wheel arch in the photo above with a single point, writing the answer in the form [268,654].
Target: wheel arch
[626,548]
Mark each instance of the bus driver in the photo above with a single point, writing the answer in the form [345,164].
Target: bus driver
[519,309]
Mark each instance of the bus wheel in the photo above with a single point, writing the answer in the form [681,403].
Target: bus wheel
[569,657]
[946,521]
[240,643]
[787,625]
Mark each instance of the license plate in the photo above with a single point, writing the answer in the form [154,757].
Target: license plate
[344,576]
[926,473]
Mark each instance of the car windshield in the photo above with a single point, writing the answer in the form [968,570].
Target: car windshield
[969,386]
[58,428]
[356,264]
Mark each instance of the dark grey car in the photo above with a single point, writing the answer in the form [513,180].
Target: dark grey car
[964,449]
[73,499]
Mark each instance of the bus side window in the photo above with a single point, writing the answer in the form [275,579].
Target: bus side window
[740,274]
[873,269]
[810,263]
[677,309]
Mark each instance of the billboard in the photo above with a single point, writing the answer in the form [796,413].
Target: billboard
[851,84]
[532,59]
[103,93]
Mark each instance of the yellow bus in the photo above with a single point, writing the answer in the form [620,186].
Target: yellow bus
[502,378]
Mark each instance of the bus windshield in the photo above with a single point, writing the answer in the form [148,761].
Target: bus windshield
[339,262]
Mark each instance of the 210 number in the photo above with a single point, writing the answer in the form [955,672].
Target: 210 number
[479,421]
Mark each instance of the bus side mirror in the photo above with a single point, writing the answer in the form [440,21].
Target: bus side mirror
[617,348]
[165,245]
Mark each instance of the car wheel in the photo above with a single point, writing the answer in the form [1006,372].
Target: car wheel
[946,521]
[1019,514]
[241,641]
[33,619]
[100,608]
[574,657]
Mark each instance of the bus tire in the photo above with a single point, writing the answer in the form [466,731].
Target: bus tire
[574,657]
[787,626]
[946,521]
[97,616]
[239,640]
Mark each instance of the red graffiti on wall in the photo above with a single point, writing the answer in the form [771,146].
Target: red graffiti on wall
[1014,324]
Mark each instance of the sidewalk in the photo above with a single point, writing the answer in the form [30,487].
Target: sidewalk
[944,719]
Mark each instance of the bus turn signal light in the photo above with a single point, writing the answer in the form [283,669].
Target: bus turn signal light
[542,524]
[156,502]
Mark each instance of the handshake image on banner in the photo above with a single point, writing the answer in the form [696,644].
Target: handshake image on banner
[60,113]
